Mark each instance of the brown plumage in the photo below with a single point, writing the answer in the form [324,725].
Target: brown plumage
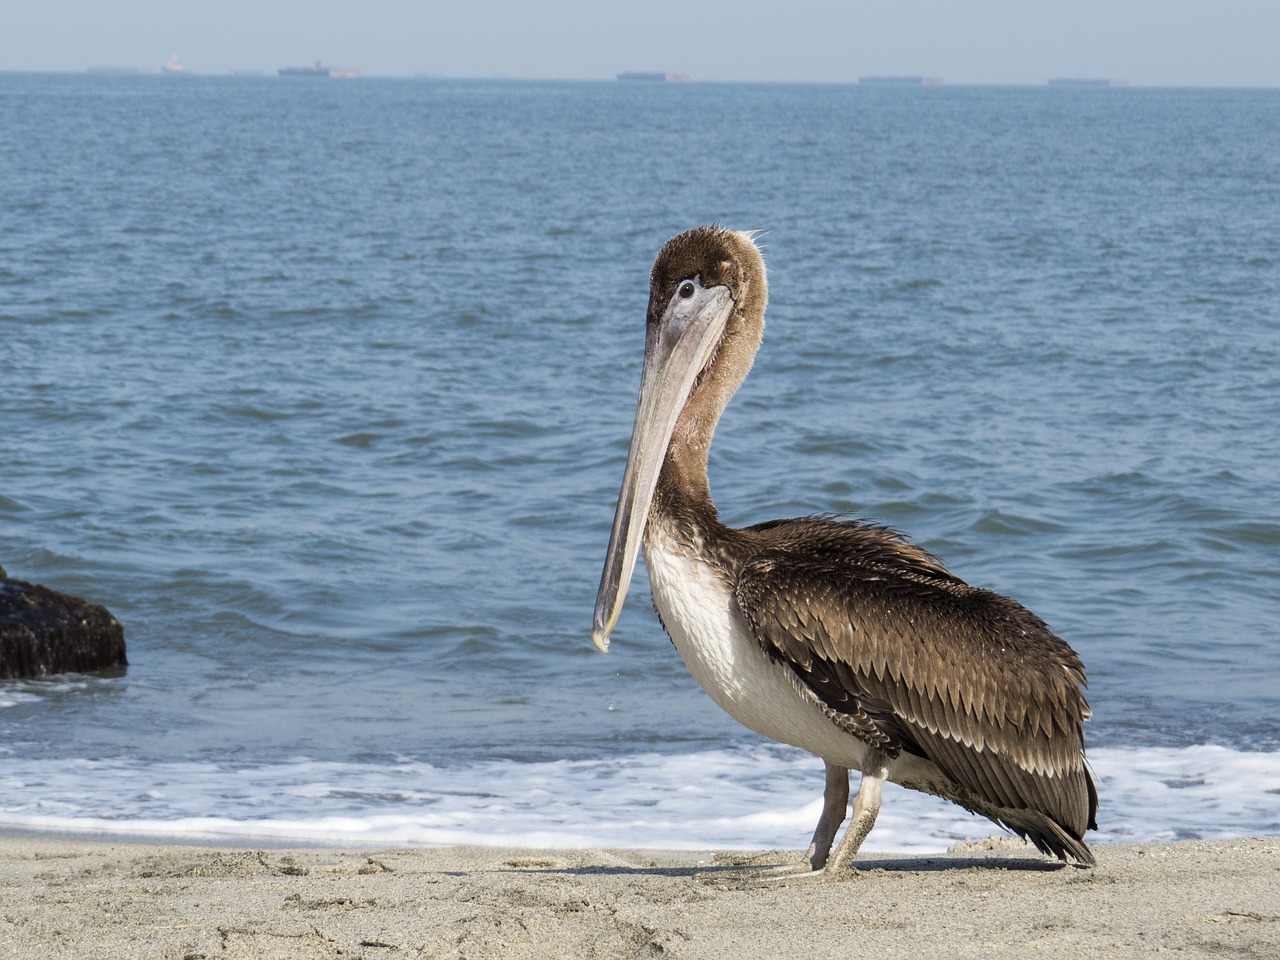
[909,658]
[838,636]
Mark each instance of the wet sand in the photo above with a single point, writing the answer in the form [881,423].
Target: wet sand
[104,899]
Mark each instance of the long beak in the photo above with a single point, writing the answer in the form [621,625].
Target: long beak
[676,350]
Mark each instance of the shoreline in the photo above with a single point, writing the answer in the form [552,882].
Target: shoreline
[103,898]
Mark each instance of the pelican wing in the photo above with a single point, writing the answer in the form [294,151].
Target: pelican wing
[910,658]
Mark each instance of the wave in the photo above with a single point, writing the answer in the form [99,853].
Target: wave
[743,797]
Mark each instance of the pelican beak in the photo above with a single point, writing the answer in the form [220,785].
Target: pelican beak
[677,349]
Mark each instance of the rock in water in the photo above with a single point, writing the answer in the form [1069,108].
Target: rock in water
[43,631]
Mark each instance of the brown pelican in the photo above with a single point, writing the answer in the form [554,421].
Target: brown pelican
[835,636]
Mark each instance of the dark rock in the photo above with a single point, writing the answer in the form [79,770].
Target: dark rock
[43,631]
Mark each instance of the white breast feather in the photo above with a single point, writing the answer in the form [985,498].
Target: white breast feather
[696,605]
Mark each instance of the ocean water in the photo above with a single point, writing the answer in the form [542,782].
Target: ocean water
[324,389]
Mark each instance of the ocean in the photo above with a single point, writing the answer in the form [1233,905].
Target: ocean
[324,389]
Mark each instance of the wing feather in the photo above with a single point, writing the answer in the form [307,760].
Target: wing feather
[917,660]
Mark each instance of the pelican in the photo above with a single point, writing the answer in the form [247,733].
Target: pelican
[836,636]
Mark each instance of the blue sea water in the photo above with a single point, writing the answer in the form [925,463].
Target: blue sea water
[324,389]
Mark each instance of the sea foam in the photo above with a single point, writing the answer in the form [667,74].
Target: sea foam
[743,797]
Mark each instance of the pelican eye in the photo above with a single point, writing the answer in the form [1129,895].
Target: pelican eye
[686,290]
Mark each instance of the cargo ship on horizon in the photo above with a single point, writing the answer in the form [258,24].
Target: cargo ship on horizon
[318,69]
[1086,82]
[656,76]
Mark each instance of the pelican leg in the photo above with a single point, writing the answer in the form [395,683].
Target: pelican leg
[835,805]
[866,807]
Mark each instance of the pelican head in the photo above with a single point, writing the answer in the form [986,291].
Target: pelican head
[707,295]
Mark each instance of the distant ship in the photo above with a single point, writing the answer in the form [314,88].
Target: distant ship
[1086,82]
[173,66]
[318,69]
[656,77]
[894,81]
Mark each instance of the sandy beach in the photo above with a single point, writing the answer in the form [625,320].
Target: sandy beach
[106,899]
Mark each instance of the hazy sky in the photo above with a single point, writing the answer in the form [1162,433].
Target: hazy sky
[1160,42]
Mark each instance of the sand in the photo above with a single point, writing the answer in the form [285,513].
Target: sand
[103,899]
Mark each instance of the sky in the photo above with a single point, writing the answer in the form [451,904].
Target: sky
[1146,42]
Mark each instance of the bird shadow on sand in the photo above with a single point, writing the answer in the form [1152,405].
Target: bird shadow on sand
[1032,864]
[757,870]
